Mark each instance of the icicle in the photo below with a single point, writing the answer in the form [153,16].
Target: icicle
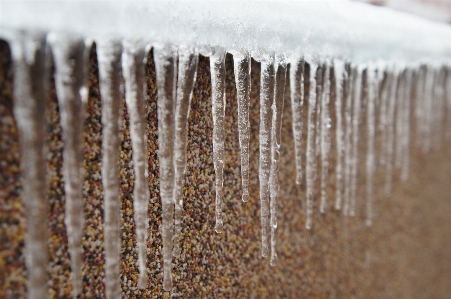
[319,95]
[384,99]
[393,77]
[372,83]
[165,67]
[266,99]
[427,106]
[438,105]
[187,66]
[419,103]
[339,73]
[297,103]
[448,99]
[133,69]
[311,155]
[399,117]
[242,67]
[348,145]
[276,131]
[406,123]
[217,68]
[355,137]
[29,110]
[109,57]
[325,136]
[68,53]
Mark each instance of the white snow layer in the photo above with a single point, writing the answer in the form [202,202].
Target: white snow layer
[354,31]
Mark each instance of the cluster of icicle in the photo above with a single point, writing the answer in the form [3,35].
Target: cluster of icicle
[388,86]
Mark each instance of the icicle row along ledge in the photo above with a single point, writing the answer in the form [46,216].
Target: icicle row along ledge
[343,84]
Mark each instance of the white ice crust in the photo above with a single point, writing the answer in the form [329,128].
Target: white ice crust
[353,31]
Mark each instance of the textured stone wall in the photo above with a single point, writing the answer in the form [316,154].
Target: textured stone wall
[405,254]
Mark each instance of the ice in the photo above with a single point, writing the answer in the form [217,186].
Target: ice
[405,159]
[242,68]
[187,68]
[166,71]
[392,98]
[339,74]
[325,136]
[373,87]
[276,131]
[29,56]
[297,103]
[68,54]
[133,70]
[357,100]
[266,100]
[217,68]
[311,155]
[109,58]
[348,144]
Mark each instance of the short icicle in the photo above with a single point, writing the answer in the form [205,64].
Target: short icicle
[29,54]
[242,67]
[373,84]
[133,70]
[394,78]
[276,131]
[357,100]
[325,136]
[166,72]
[430,77]
[297,103]
[68,54]
[266,100]
[109,57]
[405,159]
[348,145]
[311,155]
[217,68]
[187,68]
[339,73]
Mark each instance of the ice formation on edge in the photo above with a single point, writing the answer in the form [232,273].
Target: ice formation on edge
[389,93]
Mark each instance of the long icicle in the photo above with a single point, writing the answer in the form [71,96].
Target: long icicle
[297,103]
[242,67]
[187,68]
[276,131]
[339,73]
[217,68]
[325,137]
[347,145]
[372,83]
[407,124]
[109,57]
[69,60]
[166,71]
[311,156]
[355,137]
[399,133]
[29,55]
[394,76]
[266,99]
[133,69]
